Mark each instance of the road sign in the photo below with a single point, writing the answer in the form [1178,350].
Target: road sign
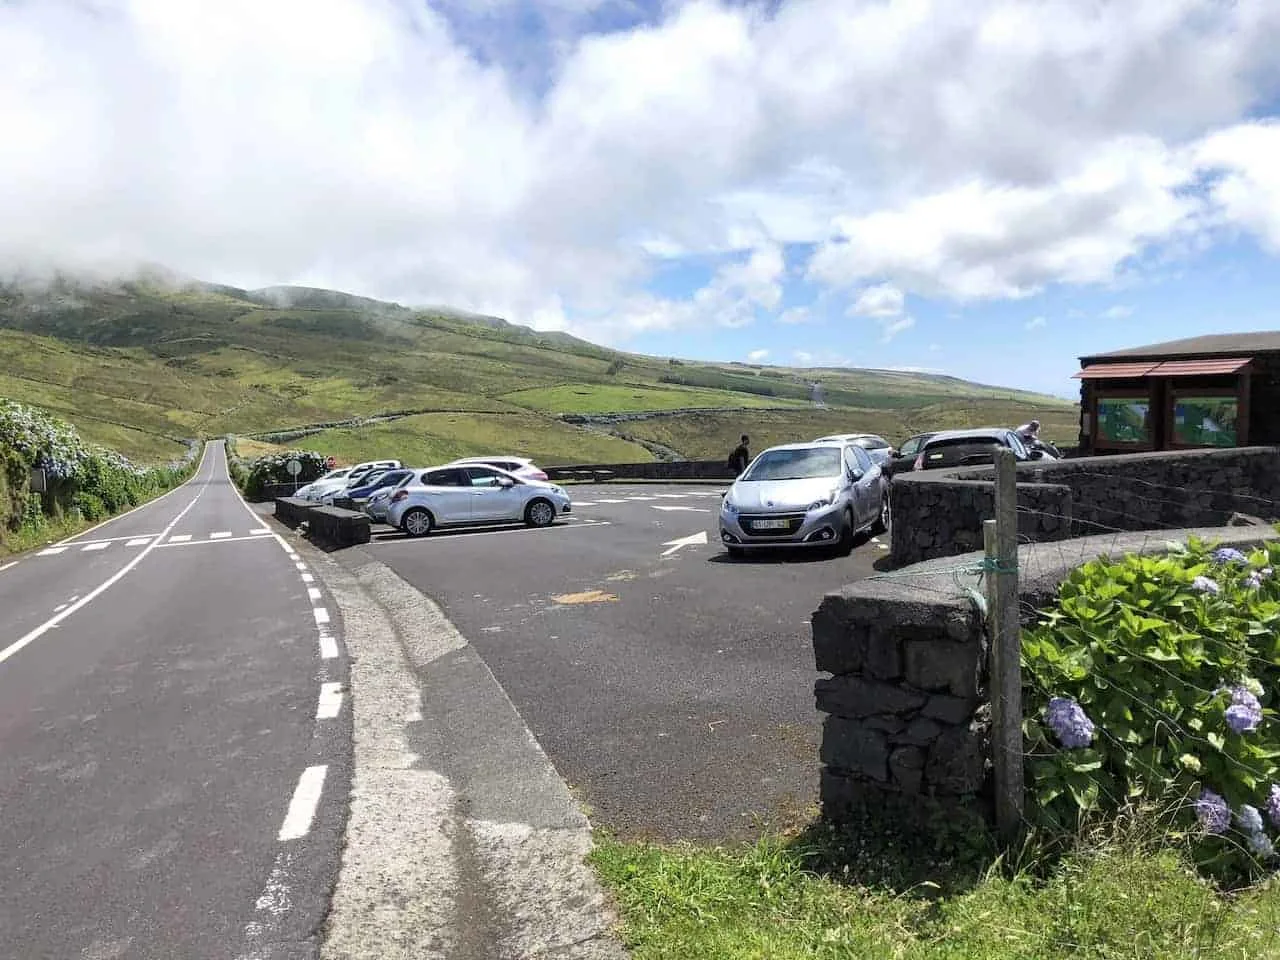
[294,467]
[38,482]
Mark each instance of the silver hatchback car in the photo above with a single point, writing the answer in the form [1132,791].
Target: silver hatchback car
[805,495]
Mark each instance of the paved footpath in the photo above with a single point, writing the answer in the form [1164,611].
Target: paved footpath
[174,737]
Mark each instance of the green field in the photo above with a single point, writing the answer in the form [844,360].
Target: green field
[141,365]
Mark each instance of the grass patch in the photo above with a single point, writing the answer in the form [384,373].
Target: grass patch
[837,895]
[634,398]
[439,437]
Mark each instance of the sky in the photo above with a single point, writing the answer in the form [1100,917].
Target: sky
[987,189]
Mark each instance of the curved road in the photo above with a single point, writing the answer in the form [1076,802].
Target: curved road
[174,739]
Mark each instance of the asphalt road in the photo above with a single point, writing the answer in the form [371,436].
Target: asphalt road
[671,686]
[160,681]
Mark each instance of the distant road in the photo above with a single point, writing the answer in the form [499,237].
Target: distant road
[174,745]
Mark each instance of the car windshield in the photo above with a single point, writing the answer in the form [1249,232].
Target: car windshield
[336,474]
[871,443]
[799,464]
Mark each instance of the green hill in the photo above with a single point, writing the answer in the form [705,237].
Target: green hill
[143,363]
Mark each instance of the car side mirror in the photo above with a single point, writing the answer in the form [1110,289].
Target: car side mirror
[1037,454]
[506,483]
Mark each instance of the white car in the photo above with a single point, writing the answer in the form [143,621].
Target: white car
[878,448]
[522,467]
[379,503]
[458,495]
[333,480]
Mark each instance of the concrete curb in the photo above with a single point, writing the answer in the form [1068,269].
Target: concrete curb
[463,841]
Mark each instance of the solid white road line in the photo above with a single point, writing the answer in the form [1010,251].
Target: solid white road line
[313,593]
[584,503]
[204,455]
[53,621]
[611,501]
[328,647]
[180,538]
[138,542]
[683,509]
[6,566]
[302,808]
[259,531]
[94,546]
[330,704]
[220,535]
[321,615]
[50,551]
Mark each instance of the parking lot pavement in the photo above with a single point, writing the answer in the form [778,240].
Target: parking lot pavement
[671,686]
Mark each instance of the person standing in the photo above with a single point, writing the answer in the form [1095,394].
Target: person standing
[1029,432]
[740,459]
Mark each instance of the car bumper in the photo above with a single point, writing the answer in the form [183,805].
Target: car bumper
[814,528]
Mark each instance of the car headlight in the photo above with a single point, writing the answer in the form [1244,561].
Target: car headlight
[826,501]
[728,506]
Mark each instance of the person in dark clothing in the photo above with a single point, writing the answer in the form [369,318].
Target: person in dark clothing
[740,459]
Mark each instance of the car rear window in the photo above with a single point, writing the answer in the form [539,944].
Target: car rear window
[871,443]
[960,451]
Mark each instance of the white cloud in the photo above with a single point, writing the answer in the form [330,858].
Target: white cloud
[756,356]
[1118,312]
[803,356]
[1037,323]
[890,327]
[364,145]
[883,300]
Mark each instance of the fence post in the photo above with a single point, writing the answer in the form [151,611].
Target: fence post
[1000,538]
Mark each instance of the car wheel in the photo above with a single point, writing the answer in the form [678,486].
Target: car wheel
[540,513]
[417,522]
[885,520]
[844,546]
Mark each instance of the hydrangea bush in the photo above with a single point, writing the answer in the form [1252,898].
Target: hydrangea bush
[273,468]
[1155,677]
[91,481]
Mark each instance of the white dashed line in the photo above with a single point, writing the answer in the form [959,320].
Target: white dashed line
[313,593]
[584,503]
[220,535]
[258,532]
[330,704]
[637,499]
[302,808]
[308,578]
[94,546]
[50,551]
[609,501]
[328,647]
[321,615]
[60,607]
[180,538]
[300,565]
[6,566]
[138,542]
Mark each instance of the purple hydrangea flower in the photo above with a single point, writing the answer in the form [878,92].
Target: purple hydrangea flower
[1261,845]
[1245,712]
[1069,722]
[1249,819]
[1229,555]
[1212,812]
[1273,805]
[1205,585]
[1253,581]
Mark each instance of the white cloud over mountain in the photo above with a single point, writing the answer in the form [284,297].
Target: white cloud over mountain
[975,151]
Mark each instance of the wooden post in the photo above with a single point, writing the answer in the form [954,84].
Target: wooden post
[1001,539]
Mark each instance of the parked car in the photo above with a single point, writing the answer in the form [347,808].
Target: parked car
[371,484]
[333,480]
[522,467]
[905,455]
[457,495]
[362,470]
[879,448]
[819,494]
[962,448]
[379,502]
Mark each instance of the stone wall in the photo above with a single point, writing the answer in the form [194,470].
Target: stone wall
[940,512]
[906,703]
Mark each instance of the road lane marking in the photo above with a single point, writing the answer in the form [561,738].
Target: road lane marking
[180,538]
[50,551]
[302,808]
[584,503]
[94,546]
[330,704]
[138,542]
[328,647]
[637,499]
[308,578]
[60,607]
[56,619]
[220,535]
[684,509]
[693,539]
[609,501]
[259,531]
[6,566]
[321,615]
[177,542]
[313,593]
[301,566]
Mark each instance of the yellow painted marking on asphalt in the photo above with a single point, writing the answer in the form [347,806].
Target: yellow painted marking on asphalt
[587,596]
[621,575]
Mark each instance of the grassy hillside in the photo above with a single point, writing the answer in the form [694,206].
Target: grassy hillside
[139,365]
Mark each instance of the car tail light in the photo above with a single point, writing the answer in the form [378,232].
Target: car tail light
[539,475]
[399,495]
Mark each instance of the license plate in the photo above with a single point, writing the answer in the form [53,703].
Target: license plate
[769,524]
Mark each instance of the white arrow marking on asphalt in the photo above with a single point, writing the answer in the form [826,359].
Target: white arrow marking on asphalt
[695,538]
[685,509]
